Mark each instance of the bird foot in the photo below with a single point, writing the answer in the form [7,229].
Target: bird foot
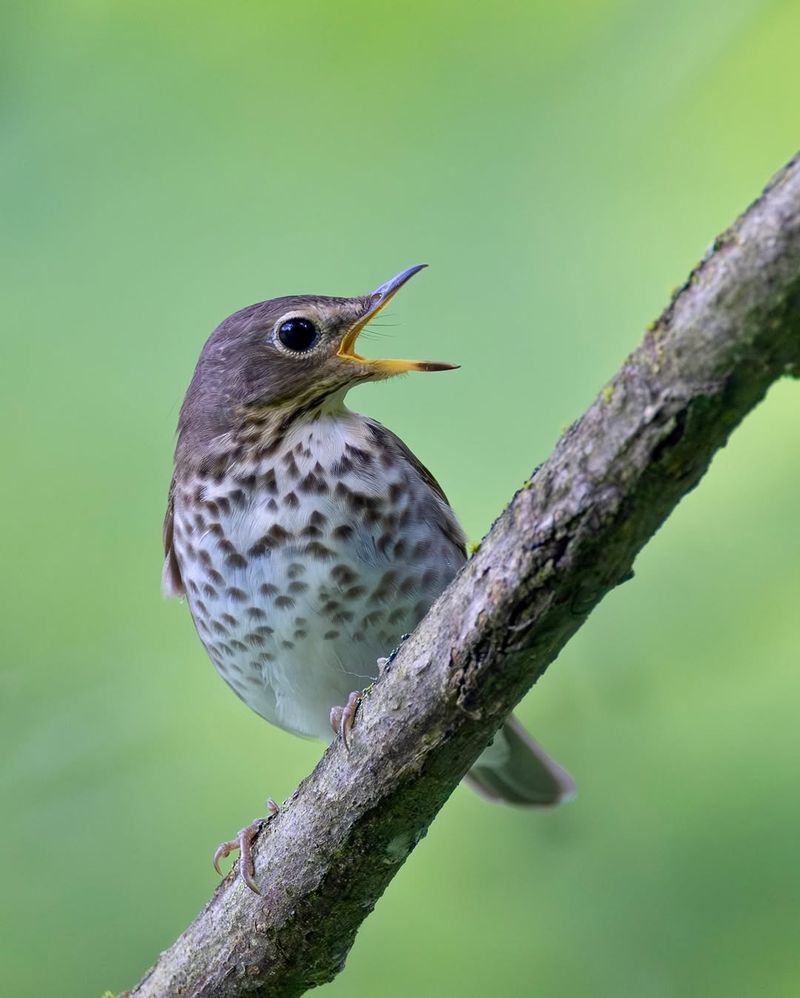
[342,718]
[244,843]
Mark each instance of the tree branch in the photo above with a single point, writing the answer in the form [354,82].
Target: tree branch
[568,537]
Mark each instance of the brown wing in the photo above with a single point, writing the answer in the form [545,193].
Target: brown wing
[450,526]
[171,581]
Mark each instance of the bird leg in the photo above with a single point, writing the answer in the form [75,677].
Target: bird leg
[244,843]
[342,718]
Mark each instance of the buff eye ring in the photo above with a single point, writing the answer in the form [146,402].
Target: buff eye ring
[298,335]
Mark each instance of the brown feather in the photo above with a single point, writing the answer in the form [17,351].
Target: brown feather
[450,527]
[171,580]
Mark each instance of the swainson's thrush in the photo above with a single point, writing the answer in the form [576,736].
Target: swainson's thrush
[308,539]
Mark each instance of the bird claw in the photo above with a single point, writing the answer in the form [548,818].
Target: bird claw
[244,843]
[342,718]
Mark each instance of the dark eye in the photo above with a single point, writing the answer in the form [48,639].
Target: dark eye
[298,334]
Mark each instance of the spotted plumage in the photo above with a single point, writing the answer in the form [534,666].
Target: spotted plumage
[325,576]
[306,538]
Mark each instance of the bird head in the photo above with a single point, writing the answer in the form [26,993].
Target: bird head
[291,352]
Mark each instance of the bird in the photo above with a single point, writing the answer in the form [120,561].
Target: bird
[308,539]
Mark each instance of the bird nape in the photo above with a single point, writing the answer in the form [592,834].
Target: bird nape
[307,538]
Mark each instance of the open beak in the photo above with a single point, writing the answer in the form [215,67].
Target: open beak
[378,299]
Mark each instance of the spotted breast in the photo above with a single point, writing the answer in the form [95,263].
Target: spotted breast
[304,566]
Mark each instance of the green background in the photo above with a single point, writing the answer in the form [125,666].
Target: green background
[561,167]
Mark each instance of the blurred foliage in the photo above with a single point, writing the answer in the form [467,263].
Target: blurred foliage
[561,167]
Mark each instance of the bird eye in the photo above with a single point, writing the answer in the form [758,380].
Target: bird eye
[298,335]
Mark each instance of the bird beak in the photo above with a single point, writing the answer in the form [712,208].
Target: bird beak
[377,300]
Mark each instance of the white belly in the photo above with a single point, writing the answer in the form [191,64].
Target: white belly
[311,572]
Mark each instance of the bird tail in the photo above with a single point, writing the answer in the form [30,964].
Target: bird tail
[514,769]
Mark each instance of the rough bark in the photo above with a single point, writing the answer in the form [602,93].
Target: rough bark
[568,537]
